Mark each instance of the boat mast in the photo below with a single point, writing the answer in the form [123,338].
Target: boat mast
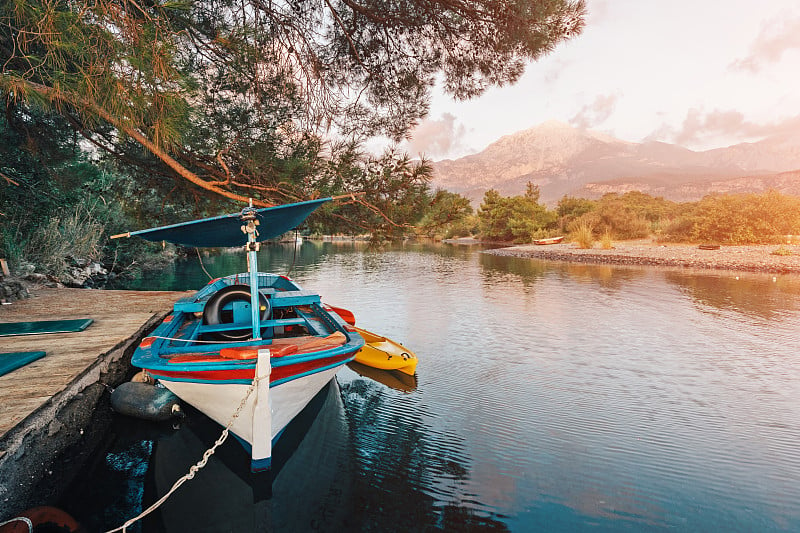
[250,220]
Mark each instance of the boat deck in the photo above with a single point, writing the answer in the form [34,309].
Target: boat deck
[119,319]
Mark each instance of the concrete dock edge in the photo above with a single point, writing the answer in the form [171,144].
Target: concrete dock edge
[30,471]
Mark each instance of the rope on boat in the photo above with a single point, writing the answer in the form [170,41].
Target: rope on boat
[294,254]
[201,263]
[194,468]
[187,340]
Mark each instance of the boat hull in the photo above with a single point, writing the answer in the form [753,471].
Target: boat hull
[550,240]
[213,364]
[219,401]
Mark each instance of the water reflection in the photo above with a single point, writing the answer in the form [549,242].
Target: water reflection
[309,487]
[549,396]
[497,268]
[391,378]
[411,471]
[758,295]
[310,483]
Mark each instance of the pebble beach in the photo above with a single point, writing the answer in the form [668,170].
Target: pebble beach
[758,258]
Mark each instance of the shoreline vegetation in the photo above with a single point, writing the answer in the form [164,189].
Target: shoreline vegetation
[783,259]
[754,232]
[761,258]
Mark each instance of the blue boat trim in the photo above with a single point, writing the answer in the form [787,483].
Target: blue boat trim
[262,465]
[249,381]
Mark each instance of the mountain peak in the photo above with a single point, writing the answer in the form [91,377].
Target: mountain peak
[553,124]
[561,159]
[557,131]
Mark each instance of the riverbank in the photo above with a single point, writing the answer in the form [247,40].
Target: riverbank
[757,258]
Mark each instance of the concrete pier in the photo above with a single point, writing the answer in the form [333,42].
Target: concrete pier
[47,405]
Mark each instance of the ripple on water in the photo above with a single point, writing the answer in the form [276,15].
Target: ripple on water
[570,397]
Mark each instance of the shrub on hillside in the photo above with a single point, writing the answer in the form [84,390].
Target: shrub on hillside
[747,218]
[514,218]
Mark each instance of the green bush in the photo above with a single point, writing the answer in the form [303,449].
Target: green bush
[514,218]
[465,227]
[570,209]
[677,230]
[622,217]
[746,218]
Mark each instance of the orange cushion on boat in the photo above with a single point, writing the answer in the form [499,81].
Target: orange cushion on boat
[244,352]
[318,344]
[251,352]
[286,349]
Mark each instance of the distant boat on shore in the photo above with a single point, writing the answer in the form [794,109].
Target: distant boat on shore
[549,240]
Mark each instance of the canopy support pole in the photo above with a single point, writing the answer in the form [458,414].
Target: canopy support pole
[251,221]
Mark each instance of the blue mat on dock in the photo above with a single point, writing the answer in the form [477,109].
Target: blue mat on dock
[13,360]
[43,326]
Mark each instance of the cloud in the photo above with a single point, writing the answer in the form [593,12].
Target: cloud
[553,73]
[437,137]
[594,114]
[597,12]
[699,127]
[776,37]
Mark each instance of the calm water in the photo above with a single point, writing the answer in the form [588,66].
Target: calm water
[548,397]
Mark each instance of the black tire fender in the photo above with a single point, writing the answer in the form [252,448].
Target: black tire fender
[212,312]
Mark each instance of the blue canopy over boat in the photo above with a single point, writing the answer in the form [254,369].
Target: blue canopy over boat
[226,230]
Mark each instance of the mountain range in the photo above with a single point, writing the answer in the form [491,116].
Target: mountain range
[563,160]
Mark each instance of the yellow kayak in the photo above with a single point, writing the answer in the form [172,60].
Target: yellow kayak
[385,354]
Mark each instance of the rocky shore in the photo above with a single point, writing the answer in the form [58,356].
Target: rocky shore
[81,274]
[760,258]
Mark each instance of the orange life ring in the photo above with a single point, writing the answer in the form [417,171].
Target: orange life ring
[42,518]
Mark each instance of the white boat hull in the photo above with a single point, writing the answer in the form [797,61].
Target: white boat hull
[219,401]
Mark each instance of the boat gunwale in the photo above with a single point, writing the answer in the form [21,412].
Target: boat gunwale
[175,374]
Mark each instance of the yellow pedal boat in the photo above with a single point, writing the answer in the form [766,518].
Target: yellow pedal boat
[385,354]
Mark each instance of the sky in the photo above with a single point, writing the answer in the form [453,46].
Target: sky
[699,73]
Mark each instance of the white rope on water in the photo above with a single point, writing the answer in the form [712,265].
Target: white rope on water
[195,468]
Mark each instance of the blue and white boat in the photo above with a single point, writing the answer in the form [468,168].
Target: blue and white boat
[249,350]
